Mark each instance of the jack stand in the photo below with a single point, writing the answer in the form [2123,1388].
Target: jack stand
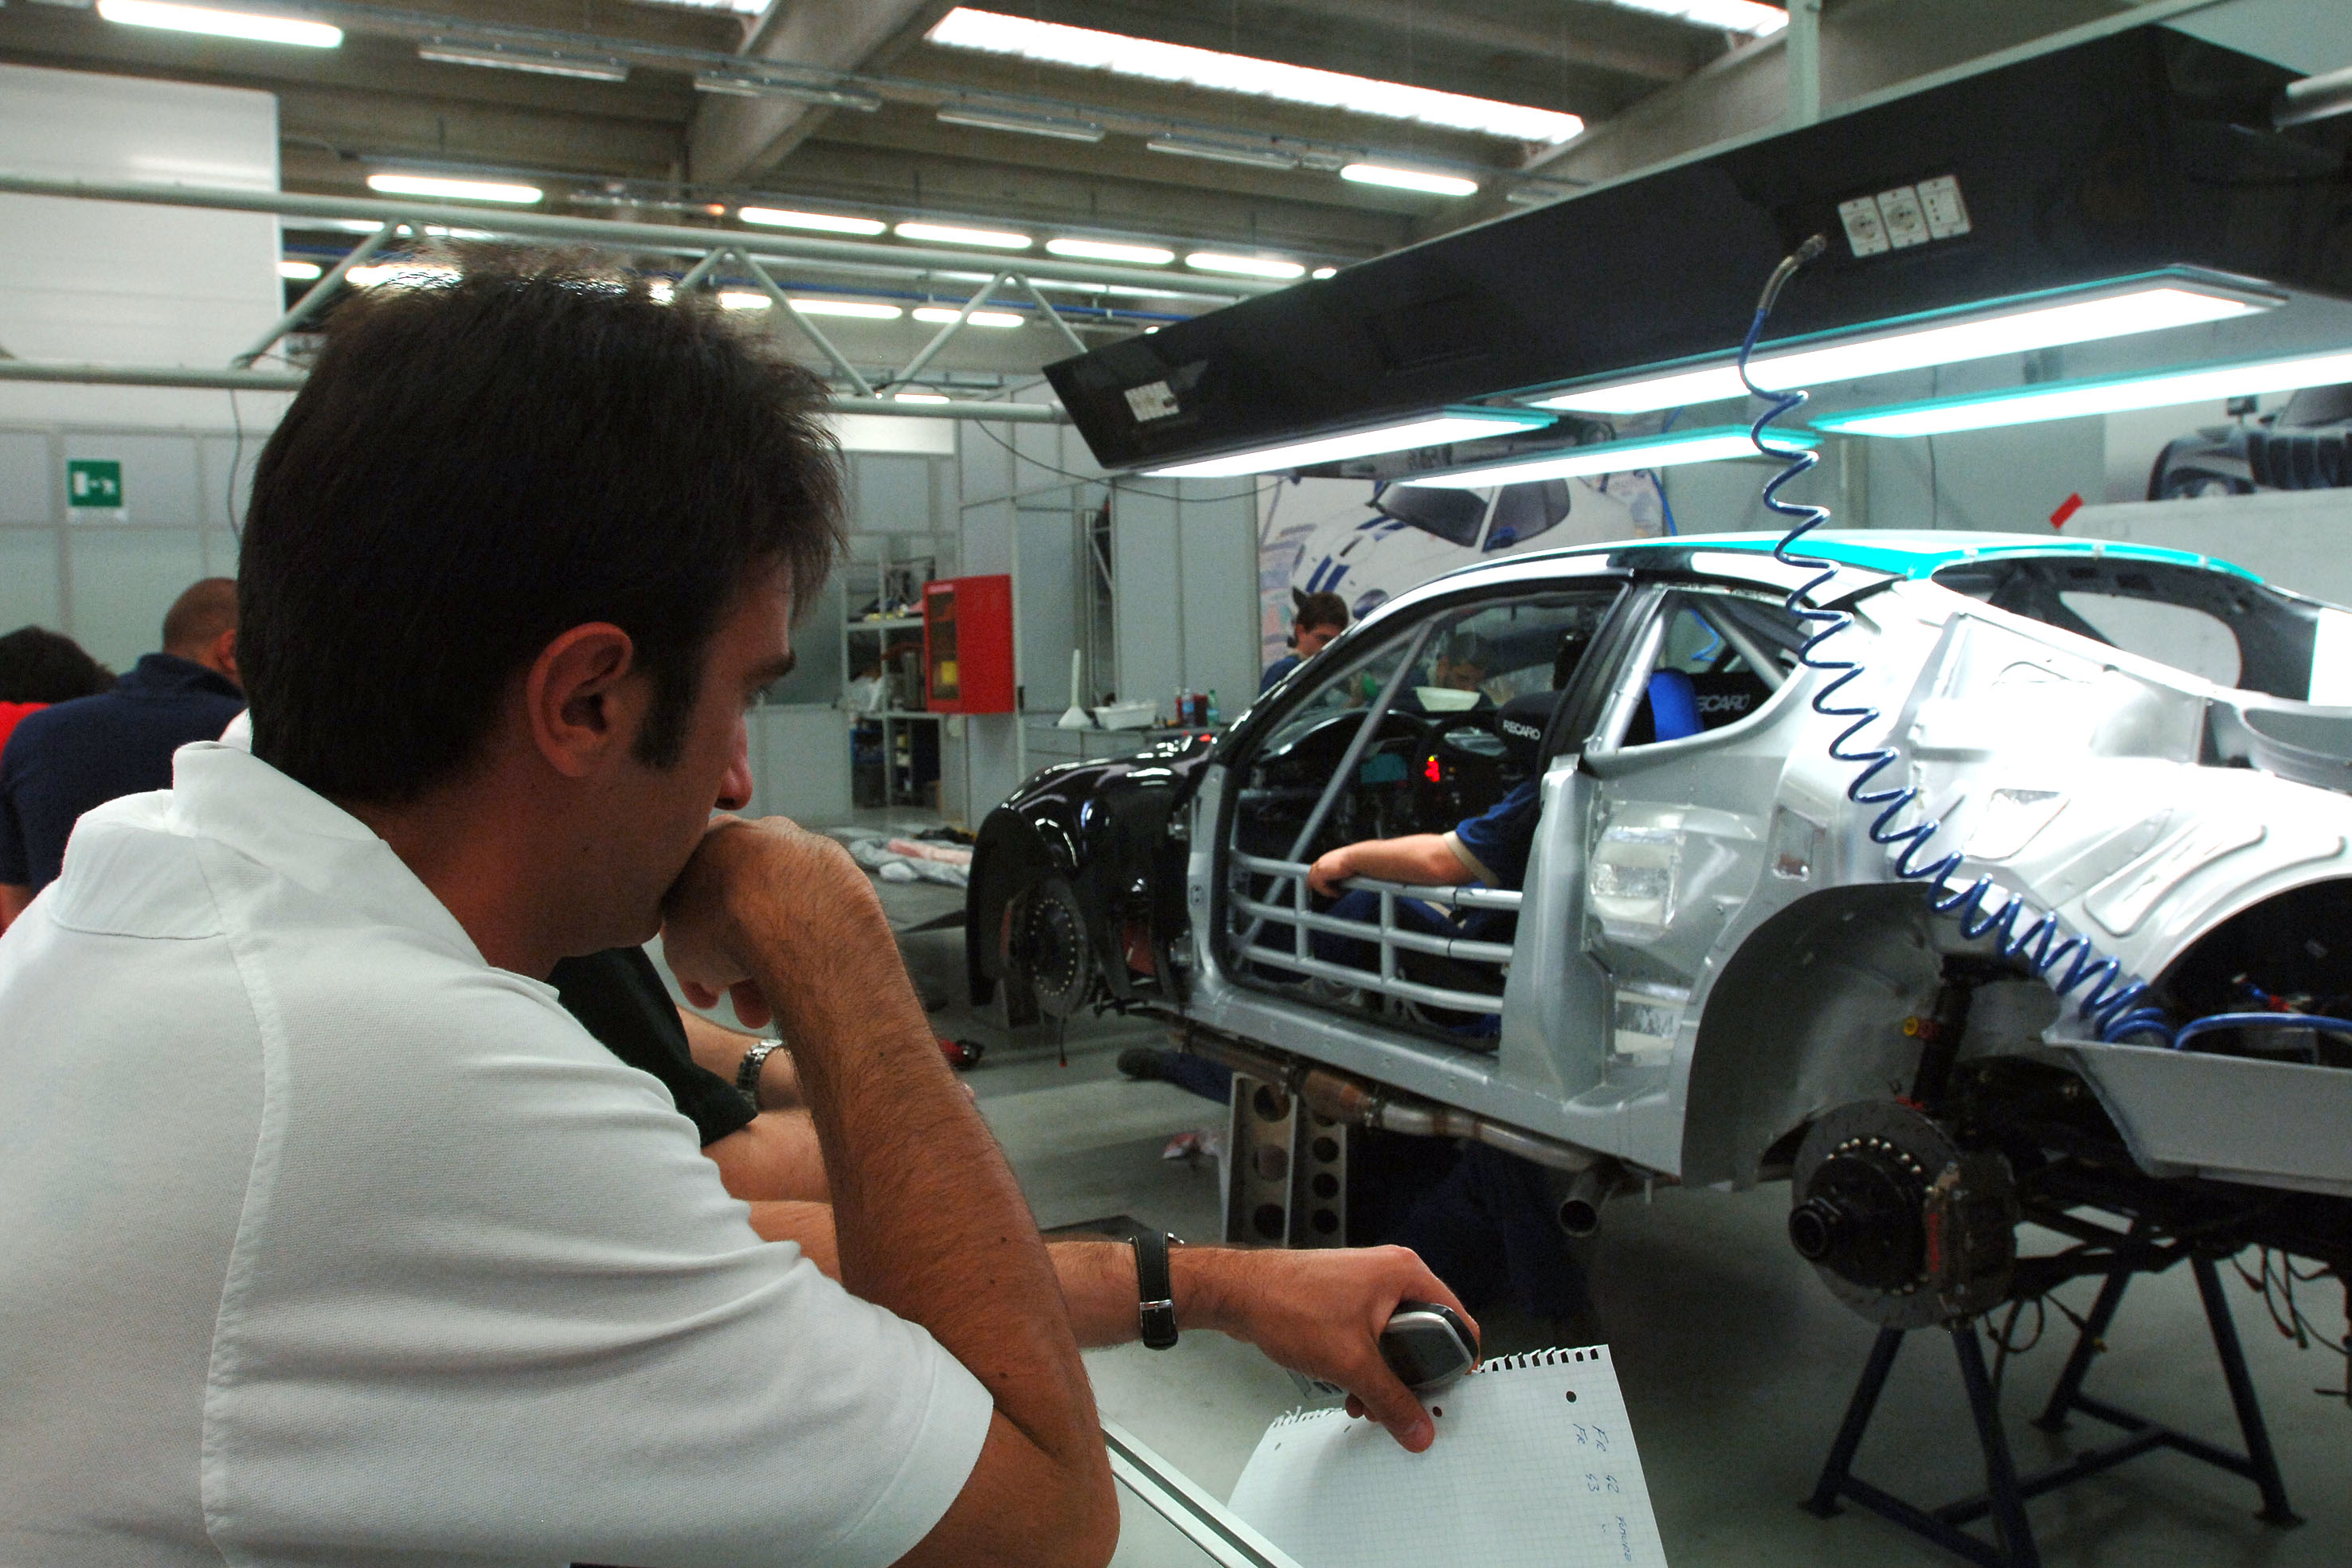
[2005,1493]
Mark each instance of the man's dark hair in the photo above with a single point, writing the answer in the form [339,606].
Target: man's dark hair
[1318,609]
[477,465]
[206,609]
[38,666]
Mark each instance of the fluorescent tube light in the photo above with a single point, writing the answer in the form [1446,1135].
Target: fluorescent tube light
[2147,308]
[1062,128]
[294,271]
[919,397]
[824,223]
[2116,394]
[1085,48]
[1105,250]
[537,62]
[1709,445]
[221,24]
[407,273]
[866,309]
[1429,430]
[661,290]
[1729,15]
[1323,272]
[460,190]
[747,84]
[941,313]
[1250,155]
[743,300]
[1244,265]
[741,7]
[1409,180]
[949,234]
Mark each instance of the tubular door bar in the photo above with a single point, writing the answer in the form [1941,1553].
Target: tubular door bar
[1386,935]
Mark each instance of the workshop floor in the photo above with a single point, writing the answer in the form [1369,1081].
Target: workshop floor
[1736,1363]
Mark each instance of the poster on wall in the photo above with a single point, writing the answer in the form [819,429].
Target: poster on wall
[1367,542]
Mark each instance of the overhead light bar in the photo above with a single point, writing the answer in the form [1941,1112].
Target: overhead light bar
[1727,15]
[1712,445]
[941,313]
[2141,308]
[741,7]
[951,233]
[406,272]
[458,190]
[1428,430]
[2114,394]
[294,271]
[1106,250]
[824,223]
[1250,155]
[1061,127]
[1409,180]
[535,61]
[1322,273]
[919,397]
[1086,48]
[1244,265]
[752,84]
[758,300]
[247,25]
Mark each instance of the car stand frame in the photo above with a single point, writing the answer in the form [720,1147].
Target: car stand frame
[2006,1494]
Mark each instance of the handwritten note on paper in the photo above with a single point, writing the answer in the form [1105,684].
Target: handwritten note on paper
[1534,1467]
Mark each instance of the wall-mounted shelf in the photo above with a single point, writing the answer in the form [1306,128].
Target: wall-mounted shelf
[889,623]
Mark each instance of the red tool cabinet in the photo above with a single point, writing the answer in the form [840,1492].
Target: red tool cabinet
[968,644]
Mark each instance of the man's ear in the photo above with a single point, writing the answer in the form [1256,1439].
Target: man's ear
[223,656]
[581,697]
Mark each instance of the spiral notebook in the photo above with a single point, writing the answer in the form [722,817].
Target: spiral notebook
[1533,1464]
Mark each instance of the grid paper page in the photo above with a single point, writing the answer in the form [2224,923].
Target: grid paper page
[1534,1467]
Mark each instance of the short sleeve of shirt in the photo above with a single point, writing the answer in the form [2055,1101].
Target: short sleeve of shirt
[1502,837]
[618,997]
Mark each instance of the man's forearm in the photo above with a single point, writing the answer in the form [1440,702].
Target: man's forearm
[1425,860]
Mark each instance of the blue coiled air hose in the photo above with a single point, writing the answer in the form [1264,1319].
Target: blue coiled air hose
[2065,962]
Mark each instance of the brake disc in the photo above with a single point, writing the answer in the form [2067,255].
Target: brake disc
[1049,947]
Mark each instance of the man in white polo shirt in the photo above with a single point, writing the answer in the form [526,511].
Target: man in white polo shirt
[328,1236]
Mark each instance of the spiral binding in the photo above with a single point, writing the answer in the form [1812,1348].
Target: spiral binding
[2043,944]
[1557,1356]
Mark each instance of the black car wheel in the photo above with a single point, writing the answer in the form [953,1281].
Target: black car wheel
[1047,947]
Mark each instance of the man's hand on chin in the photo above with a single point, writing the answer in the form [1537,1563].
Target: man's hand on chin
[809,903]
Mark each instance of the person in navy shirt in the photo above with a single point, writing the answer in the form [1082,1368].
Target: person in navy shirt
[66,758]
[1316,619]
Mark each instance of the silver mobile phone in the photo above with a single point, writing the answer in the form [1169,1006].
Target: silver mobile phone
[1427,1345]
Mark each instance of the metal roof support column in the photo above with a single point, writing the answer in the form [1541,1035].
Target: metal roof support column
[939,339]
[1077,345]
[823,343]
[316,294]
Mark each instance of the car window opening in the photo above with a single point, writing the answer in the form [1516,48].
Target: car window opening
[1471,693]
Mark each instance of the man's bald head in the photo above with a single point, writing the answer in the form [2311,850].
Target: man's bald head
[201,625]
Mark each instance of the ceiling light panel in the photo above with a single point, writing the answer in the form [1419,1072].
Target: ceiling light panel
[1085,48]
[951,233]
[741,7]
[1060,127]
[457,190]
[1249,155]
[918,397]
[258,29]
[1710,445]
[821,222]
[944,313]
[751,84]
[1429,430]
[294,271]
[865,309]
[2119,394]
[408,273]
[1419,180]
[1244,266]
[535,62]
[2145,308]
[1108,250]
[1727,15]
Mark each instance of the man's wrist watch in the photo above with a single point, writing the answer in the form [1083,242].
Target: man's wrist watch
[1154,1289]
[747,1074]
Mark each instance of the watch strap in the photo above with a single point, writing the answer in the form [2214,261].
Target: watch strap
[1155,1290]
[747,1072]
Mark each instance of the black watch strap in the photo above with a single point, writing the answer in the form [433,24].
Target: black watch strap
[1155,1290]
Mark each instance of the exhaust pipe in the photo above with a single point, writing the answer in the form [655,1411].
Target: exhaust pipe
[1588,1189]
[1344,1097]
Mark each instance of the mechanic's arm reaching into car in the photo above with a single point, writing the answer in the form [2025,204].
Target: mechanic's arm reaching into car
[1423,860]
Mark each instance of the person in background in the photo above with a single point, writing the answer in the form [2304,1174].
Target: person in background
[1316,619]
[66,759]
[38,667]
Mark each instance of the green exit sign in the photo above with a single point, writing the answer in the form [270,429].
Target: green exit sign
[94,482]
